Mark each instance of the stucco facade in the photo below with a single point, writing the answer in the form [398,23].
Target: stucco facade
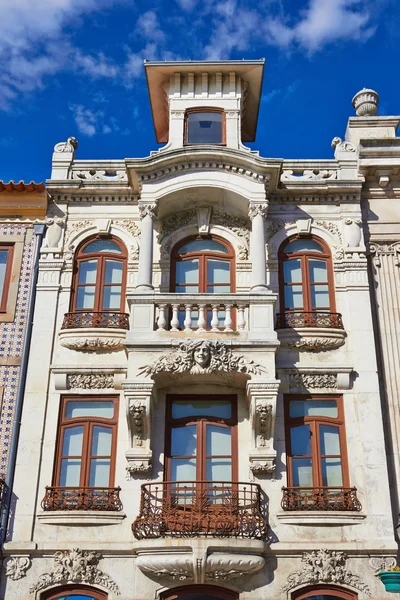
[245,534]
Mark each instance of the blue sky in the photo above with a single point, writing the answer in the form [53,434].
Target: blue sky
[75,67]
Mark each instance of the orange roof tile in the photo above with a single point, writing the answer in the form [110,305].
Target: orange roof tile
[21,186]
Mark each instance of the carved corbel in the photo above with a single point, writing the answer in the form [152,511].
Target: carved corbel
[203,219]
[138,398]
[262,396]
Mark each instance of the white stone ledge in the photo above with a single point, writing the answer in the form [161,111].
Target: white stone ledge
[79,517]
[300,517]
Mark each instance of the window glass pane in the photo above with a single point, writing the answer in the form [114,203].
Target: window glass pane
[318,271]
[219,469]
[324,597]
[72,441]
[204,128]
[332,472]
[87,271]
[92,408]
[3,267]
[201,408]
[102,246]
[183,469]
[101,441]
[112,297]
[218,441]
[293,296]
[218,289]
[85,297]
[303,246]
[184,441]
[113,271]
[329,439]
[319,296]
[187,289]
[70,472]
[202,246]
[76,597]
[302,472]
[218,271]
[99,472]
[292,271]
[187,271]
[313,408]
[300,440]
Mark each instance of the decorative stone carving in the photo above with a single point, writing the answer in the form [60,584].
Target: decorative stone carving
[174,567]
[210,166]
[129,225]
[201,357]
[308,175]
[74,227]
[331,227]
[90,381]
[138,397]
[310,342]
[366,103]
[221,567]
[256,209]
[324,566]
[262,396]
[239,226]
[342,147]
[137,413]
[382,563]
[312,381]
[69,146]
[53,232]
[264,417]
[100,175]
[352,233]
[75,566]
[17,566]
[203,219]
[101,344]
[148,210]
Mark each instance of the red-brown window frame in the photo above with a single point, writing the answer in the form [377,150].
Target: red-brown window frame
[208,590]
[70,590]
[205,110]
[7,276]
[202,421]
[101,257]
[308,592]
[88,424]
[304,256]
[314,431]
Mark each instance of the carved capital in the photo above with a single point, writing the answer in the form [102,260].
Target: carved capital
[17,566]
[256,209]
[148,210]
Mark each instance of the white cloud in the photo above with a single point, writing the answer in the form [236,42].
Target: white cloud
[87,120]
[95,66]
[149,27]
[187,4]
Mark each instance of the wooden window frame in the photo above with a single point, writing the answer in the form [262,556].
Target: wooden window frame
[88,424]
[333,590]
[209,590]
[203,256]
[206,109]
[201,422]
[305,256]
[69,590]
[7,276]
[315,422]
[99,285]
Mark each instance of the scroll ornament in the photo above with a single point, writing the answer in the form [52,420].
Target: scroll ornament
[17,566]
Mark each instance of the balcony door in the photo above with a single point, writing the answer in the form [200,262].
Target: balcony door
[201,443]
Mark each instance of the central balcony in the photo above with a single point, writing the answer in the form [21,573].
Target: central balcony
[200,508]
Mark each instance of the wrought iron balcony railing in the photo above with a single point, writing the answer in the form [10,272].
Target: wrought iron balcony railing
[81,498]
[320,498]
[110,320]
[200,508]
[292,319]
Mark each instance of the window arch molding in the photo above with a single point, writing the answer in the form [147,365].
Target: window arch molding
[61,592]
[99,275]
[306,281]
[318,592]
[206,591]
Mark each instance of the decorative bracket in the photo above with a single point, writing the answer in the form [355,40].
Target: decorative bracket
[138,397]
[262,394]
[203,219]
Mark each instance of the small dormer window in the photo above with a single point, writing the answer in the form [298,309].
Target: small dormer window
[204,126]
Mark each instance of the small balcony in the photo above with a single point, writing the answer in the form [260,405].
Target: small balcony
[97,331]
[320,499]
[201,509]
[314,331]
[81,499]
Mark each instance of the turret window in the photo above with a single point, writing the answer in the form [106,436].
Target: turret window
[204,127]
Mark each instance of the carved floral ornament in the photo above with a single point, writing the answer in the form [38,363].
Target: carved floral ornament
[148,210]
[289,175]
[201,357]
[258,209]
[325,566]
[17,566]
[75,566]
[90,381]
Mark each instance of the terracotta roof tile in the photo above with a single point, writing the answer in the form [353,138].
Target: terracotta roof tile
[21,186]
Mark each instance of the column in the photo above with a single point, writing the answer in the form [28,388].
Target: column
[257,214]
[147,212]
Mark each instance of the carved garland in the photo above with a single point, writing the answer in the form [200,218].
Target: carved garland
[90,381]
[312,381]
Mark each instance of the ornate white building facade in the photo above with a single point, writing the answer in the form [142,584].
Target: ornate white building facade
[202,414]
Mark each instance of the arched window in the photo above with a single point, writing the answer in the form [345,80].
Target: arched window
[199,592]
[99,276]
[204,126]
[68,592]
[322,592]
[204,265]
